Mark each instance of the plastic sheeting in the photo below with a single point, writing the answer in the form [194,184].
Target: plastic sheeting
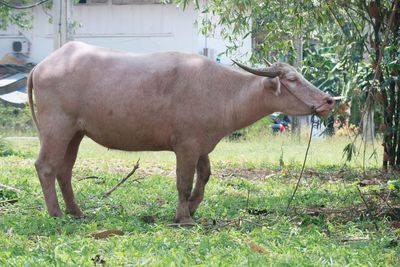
[18,98]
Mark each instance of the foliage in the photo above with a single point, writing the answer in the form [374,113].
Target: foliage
[14,120]
[20,18]
[343,41]
[256,130]
[349,151]
[5,148]
[7,194]
[394,184]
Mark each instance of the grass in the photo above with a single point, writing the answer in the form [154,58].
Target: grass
[247,179]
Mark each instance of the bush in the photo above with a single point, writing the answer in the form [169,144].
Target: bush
[351,130]
[15,119]
[5,148]
[254,131]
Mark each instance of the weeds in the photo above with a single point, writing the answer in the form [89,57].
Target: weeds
[15,120]
[6,148]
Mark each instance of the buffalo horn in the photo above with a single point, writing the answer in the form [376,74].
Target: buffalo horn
[269,64]
[266,73]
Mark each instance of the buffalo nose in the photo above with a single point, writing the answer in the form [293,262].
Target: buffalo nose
[330,101]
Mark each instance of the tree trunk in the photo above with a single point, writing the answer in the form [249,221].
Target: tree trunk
[368,126]
[396,92]
[397,164]
[392,134]
[396,145]
[390,93]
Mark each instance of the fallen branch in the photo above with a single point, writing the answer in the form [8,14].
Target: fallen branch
[368,208]
[354,239]
[10,188]
[8,201]
[391,208]
[106,233]
[89,177]
[124,179]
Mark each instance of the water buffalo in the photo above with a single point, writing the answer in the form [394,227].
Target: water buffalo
[173,101]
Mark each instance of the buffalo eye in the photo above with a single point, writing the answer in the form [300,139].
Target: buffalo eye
[292,78]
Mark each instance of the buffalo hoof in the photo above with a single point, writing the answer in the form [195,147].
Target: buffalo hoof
[183,222]
[76,213]
[56,214]
[183,225]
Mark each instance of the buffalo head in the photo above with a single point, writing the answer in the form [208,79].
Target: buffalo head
[294,94]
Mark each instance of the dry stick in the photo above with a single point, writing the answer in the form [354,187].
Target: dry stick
[124,179]
[302,168]
[247,201]
[387,204]
[10,188]
[8,201]
[354,239]
[89,177]
[368,208]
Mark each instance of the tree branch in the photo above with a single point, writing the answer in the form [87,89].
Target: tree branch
[108,193]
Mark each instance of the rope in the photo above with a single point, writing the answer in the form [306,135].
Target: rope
[304,163]
[22,7]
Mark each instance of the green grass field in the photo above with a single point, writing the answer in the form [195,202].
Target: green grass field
[242,221]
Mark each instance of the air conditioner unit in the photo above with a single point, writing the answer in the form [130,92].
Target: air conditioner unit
[20,47]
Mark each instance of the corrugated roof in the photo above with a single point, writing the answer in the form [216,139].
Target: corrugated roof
[19,97]
[13,83]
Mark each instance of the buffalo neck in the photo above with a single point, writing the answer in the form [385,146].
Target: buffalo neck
[250,103]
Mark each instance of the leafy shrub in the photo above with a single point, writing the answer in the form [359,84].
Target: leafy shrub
[351,130]
[7,194]
[15,119]
[256,130]
[394,184]
[5,148]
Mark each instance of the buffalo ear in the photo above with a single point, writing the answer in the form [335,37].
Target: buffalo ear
[273,85]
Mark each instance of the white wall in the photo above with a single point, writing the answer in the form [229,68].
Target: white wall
[137,28]
[133,28]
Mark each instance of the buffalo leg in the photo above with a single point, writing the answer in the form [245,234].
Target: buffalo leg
[64,177]
[54,143]
[185,168]
[203,175]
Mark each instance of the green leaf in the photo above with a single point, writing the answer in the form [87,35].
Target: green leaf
[349,151]
[394,65]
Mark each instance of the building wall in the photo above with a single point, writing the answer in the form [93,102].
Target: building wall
[142,28]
